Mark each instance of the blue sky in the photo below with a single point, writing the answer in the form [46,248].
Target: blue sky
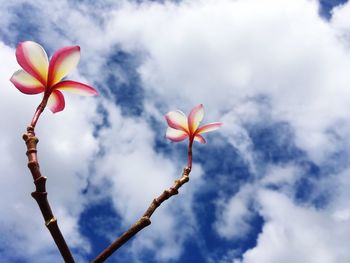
[270,186]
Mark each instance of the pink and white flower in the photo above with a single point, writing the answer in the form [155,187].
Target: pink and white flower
[39,75]
[181,127]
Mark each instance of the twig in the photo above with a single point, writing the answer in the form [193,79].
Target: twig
[40,195]
[144,221]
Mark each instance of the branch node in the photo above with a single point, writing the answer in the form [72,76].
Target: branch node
[185,179]
[30,140]
[40,180]
[37,195]
[167,194]
[156,202]
[33,164]
[173,191]
[31,150]
[50,221]
[186,171]
[40,184]
[30,129]
[145,220]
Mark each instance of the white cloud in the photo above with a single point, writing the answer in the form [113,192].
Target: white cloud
[281,175]
[232,219]
[221,53]
[225,54]
[340,17]
[295,233]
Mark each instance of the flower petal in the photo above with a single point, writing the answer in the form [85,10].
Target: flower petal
[56,101]
[33,59]
[199,138]
[195,117]
[62,63]
[76,87]
[177,120]
[176,135]
[26,83]
[209,127]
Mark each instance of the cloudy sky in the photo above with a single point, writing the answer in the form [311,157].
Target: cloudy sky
[270,186]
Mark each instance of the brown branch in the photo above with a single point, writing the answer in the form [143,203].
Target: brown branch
[40,195]
[144,221]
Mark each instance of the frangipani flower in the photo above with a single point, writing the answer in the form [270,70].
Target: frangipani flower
[181,127]
[41,76]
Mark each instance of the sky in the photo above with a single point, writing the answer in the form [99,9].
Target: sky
[270,186]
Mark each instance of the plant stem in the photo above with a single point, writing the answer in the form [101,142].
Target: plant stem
[39,110]
[190,143]
[144,221]
[40,195]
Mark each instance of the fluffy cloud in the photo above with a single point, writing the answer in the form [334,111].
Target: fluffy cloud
[228,55]
[249,62]
[295,233]
[223,52]
[233,216]
[340,18]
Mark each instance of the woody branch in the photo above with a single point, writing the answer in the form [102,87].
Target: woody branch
[40,195]
[144,221]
